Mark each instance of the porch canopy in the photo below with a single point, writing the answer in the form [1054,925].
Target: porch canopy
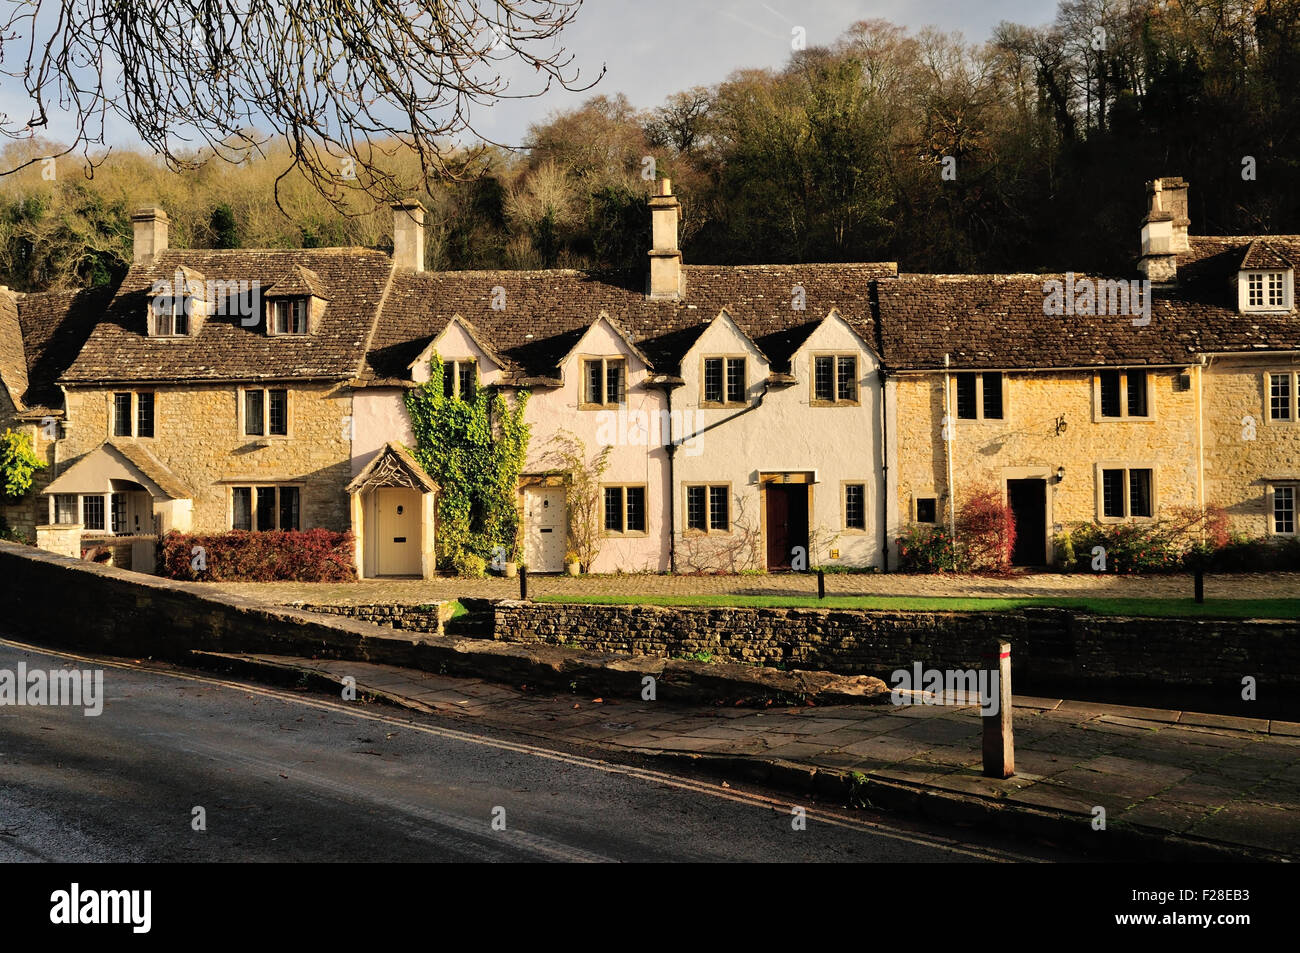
[116,467]
[393,515]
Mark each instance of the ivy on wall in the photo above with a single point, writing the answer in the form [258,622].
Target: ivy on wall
[475,452]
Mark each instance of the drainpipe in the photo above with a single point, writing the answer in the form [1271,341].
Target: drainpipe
[947,450]
[884,476]
[1202,363]
[671,449]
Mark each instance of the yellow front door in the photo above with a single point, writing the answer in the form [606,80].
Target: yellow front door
[398,523]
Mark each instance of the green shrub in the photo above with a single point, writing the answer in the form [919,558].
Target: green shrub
[469,565]
[926,548]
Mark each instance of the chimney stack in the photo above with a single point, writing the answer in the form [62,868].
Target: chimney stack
[150,238]
[665,257]
[1164,232]
[408,235]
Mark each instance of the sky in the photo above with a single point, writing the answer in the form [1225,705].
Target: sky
[653,48]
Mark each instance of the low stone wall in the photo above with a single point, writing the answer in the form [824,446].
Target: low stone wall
[1049,645]
[423,618]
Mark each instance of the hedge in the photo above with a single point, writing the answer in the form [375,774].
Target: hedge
[314,555]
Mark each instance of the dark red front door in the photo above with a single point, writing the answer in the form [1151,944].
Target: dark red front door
[787,523]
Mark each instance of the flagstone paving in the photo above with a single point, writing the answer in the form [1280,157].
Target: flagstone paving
[419,591]
[1233,782]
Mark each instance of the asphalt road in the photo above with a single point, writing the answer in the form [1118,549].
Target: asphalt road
[282,776]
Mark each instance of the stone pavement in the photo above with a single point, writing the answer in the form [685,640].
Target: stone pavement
[418,591]
[1213,786]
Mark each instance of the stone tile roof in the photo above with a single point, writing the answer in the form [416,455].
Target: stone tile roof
[353,279]
[547,311]
[55,326]
[297,282]
[13,357]
[153,468]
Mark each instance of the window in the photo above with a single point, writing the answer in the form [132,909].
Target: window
[92,512]
[1282,397]
[724,380]
[65,509]
[1123,394]
[708,508]
[835,379]
[625,510]
[855,506]
[979,395]
[460,379]
[1284,509]
[604,382]
[927,509]
[1126,493]
[265,507]
[266,412]
[133,414]
[290,315]
[118,501]
[1266,291]
[171,313]
[121,415]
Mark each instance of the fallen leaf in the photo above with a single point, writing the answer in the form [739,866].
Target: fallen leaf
[598,701]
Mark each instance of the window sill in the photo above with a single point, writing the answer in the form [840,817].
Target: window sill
[834,403]
[609,534]
[706,532]
[722,405]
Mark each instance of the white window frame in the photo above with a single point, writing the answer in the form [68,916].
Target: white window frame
[1293,387]
[273,311]
[1263,277]
[1271,509]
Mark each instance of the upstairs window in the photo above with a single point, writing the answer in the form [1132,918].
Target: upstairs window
[835,379]
[1265,291]
[133,414]
[979,396]
[604,382]
[289,316]
[724,380]
[460,379]
[1124,394]
[171,315]
[1281,396]
[266,412]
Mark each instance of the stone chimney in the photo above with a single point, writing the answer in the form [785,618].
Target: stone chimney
[408,235]
[150,225]
[1164,232]
[665,257]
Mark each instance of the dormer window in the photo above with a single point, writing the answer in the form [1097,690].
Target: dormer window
[290,316]
[177,307]
[1265,291]
[604,382]
[460,379]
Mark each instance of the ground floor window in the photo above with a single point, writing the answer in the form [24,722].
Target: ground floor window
[265,507]
[708,508]
[855,506]
[65,509]
[92,512]
[1127,492]
[927,509]
[1284,498]
[625,510]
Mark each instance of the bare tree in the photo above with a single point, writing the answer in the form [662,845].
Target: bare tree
[343,83]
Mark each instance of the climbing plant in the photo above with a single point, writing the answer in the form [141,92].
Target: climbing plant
[18,462]
[475,451]
[566,454]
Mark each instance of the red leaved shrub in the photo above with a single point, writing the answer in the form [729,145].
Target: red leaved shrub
[314,555]
[986,532]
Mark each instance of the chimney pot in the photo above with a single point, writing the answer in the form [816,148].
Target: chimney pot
[149,227]
[408,235]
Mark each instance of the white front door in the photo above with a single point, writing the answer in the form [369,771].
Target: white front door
[398,525]
[546,528]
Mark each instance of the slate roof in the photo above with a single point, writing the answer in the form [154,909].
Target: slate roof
[13,359]
[353,279]
[547,312]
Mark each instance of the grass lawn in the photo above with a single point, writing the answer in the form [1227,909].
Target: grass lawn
[1211,608]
